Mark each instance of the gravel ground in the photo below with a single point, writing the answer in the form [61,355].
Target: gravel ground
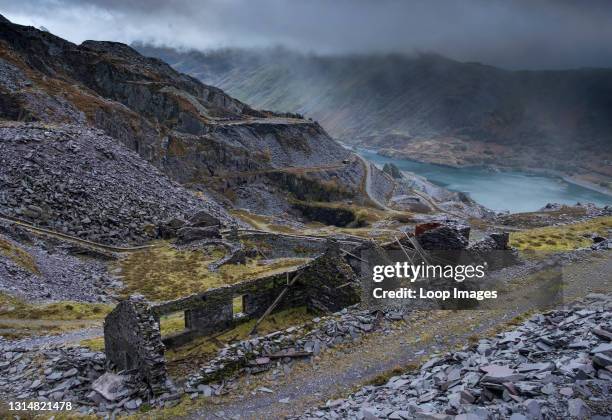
[553,365]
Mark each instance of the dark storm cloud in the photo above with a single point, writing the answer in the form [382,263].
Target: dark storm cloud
[513,34]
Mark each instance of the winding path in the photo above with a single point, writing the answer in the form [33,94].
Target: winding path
[39,341]
[368,185]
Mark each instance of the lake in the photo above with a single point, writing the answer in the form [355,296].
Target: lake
[514,191]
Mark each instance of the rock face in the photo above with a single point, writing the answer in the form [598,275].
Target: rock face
[392,170]
[193,132]
[447,236]
[191,234]
[552,366]
[79,181]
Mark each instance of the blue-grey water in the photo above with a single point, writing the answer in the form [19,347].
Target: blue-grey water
[514,191]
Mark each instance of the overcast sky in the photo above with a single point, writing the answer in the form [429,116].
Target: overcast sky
[531,34]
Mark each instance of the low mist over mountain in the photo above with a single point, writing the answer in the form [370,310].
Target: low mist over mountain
[423,106]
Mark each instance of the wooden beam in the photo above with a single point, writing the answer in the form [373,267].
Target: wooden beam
[276,302]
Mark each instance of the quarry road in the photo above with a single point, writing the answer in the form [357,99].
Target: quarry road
[271,120]
[70,238]
[370,193]
[368,185]
[336,373]
[71,337]
[368,189]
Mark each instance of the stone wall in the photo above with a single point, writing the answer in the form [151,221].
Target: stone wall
[132,333]
[132,341]
[275,245]
[326,284]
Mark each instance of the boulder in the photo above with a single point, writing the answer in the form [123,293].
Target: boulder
[203,219]
[167,230]
[190,234]
[392,170]
[442,236]
[110,386]
[577,408]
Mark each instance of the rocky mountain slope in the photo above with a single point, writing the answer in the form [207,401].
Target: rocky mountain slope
[194,133]
[35,270]
[427,107]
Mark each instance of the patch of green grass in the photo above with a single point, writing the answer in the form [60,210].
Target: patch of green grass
[182,359]
[185,406]
[95,344]
[19,319]
[262,222]
[19,256]
[237,305]
[14,308]
[542,218]
[560,238]
[384,377]
[165,273]
[172,323]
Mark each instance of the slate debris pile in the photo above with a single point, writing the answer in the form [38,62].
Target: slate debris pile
[81,182]
[601,243]
[80,375]
[556,365]
[262,353]
[555,214]
[74,374]
[56,274]
[591,210]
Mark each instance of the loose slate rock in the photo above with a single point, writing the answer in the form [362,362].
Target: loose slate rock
[531,372]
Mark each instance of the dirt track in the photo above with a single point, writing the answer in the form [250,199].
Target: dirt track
[69,238]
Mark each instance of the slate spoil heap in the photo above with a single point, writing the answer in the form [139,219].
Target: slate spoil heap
[556,365]
[78,181]
[74,374]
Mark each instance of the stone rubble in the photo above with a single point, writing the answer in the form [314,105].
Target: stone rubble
[80,375]
[555,214]
[591,209]
[262,353]
[600,243]
[65,374]
[554,365]
[59,274]
[81,182]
